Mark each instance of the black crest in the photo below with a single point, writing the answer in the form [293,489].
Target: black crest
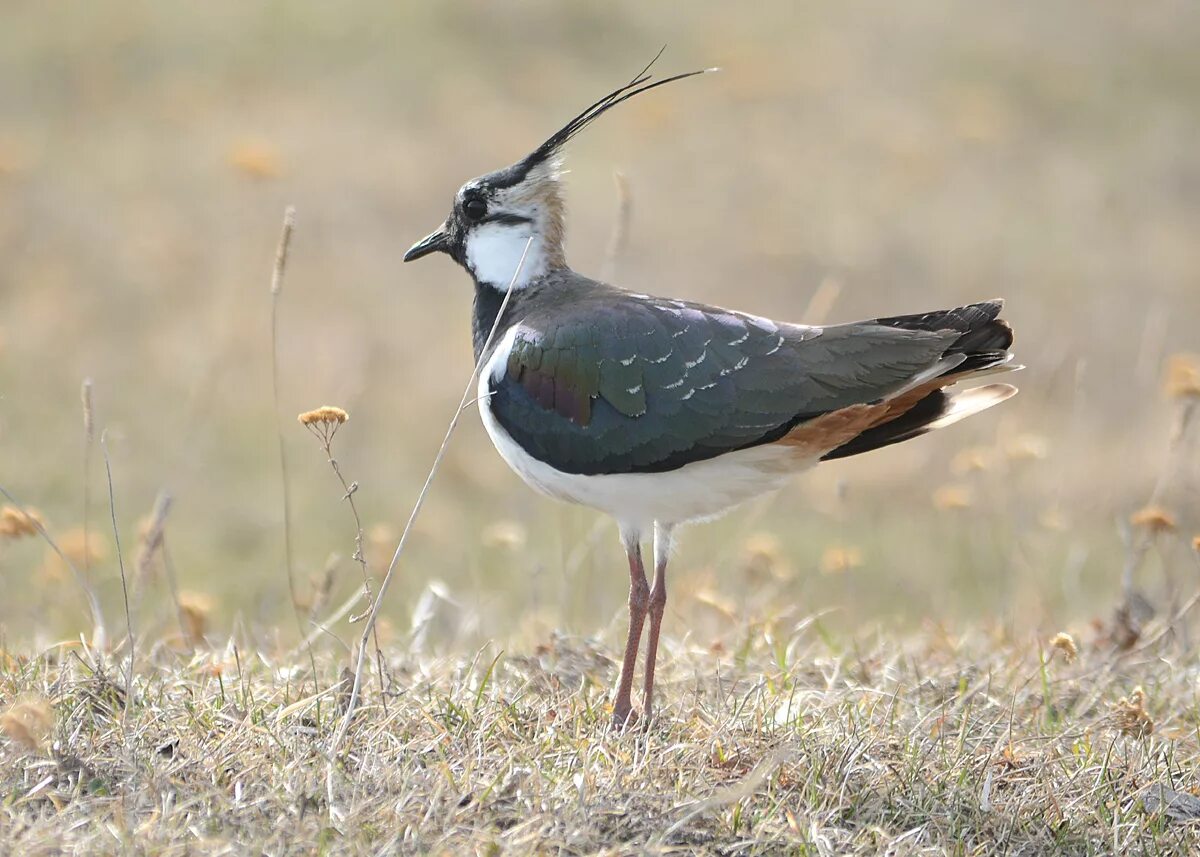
[643,81]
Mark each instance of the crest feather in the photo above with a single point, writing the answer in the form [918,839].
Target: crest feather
[643,81]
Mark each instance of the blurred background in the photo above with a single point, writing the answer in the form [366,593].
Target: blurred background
[851,160]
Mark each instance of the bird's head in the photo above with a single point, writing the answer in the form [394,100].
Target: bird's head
[495,216]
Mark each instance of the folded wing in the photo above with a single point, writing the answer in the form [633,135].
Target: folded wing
[642,385]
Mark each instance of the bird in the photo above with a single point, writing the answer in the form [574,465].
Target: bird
[661,412]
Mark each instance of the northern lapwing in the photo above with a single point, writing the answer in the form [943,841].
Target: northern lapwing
[661,411]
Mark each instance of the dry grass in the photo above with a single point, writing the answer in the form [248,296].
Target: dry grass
[851,160]
[797,742]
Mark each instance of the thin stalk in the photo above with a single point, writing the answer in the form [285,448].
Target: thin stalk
[437,460]
[112,510]
[99,633]
[281,257]
[89,433]
[325,436]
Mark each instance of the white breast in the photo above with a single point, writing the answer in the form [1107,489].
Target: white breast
[703,489]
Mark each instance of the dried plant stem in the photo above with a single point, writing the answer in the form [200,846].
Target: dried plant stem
[619,239]
[350,489]
[1140,542]
[437,460]
[151,544]
[112,510]
[281,256]
[173,586]
[99,632]
[820,305]
[89,431]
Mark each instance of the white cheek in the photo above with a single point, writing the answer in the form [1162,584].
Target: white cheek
[494,251]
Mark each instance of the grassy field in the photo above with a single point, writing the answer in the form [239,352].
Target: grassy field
[793,740]
[862,663]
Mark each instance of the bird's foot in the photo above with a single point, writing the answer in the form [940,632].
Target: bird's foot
[624,718]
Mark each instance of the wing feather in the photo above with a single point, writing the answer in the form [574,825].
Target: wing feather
[623,384]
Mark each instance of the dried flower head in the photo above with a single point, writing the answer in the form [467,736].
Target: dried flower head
[1130,715]
[1183,376]
[323,422]
[81,551]
[1156,519]
[839,559]
[507,535]
[709,597]
[952,497]
[256,159]
[765,545]
[194,610]
[1052,518]
[15,523]
[381,543]
[150,535]
[324,414]
[28,721]
[1065,643]
[763,550]
[1027,447]
[971,459]
[762,555]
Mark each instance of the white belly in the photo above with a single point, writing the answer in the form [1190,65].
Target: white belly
[695,491]
[699,490]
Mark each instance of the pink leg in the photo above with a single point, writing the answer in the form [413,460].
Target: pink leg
[639,596]
[658,604]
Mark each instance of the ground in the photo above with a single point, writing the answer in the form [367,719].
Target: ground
[793,741]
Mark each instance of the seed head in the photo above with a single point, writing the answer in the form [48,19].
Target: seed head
[381,541]
[1065,643]
[971,459]
[952,497]
[1183,376]
[506,535]
[840,559]
[1130,715]
[764,545]
[194,610]
[323,422]
[15,523]
[28,721]
[1155,519]
[256,159]
[83,549]
[763,556]
[324,414]
[1027,447]
[150,534]
[79,551]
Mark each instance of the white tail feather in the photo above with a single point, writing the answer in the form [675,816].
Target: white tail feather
[971,402]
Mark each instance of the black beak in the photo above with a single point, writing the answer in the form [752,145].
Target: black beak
[437,241]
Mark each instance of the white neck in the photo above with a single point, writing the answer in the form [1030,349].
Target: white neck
[494,251]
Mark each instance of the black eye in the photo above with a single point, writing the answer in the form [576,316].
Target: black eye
[475,208]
